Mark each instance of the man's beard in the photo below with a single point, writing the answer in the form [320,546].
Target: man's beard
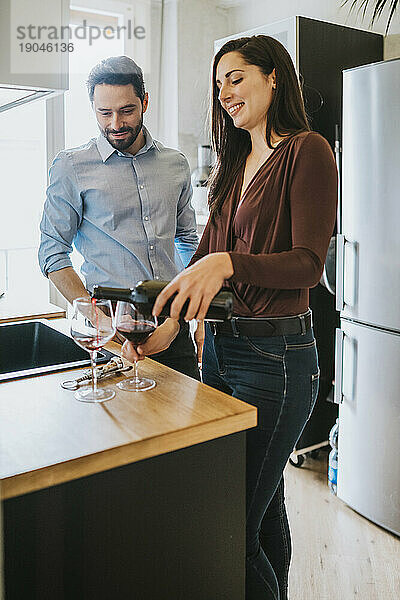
[126,142]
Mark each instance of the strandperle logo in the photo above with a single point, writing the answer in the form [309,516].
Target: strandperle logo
[80,32]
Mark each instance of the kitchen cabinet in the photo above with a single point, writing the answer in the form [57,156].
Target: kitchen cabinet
[31,72]
[142,496]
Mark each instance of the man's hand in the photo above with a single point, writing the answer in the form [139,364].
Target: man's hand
[198,283]
[199,340]
[70,285]
[160,340]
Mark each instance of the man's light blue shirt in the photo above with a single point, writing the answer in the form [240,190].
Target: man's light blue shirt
[126,214]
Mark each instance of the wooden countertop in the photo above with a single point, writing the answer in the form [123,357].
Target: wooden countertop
[47,437]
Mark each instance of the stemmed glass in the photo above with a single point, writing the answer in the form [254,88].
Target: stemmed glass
[92,326]
[136,328]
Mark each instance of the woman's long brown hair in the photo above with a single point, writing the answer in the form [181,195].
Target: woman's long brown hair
[286,114]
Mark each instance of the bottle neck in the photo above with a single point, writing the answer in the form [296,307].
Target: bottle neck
[114,294]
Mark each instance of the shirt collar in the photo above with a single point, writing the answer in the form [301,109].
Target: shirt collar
[105,149]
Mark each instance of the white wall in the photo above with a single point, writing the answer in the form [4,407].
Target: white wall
[392,46]
[179,95]
[250,13]
[190,28]
[200,22]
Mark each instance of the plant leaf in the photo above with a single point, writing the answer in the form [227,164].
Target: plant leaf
[379,7]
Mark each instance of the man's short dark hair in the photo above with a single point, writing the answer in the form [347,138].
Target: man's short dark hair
[117,70]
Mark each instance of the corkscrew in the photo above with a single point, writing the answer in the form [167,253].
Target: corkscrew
[113,367]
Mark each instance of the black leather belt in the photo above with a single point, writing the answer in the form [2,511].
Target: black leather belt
[259,327]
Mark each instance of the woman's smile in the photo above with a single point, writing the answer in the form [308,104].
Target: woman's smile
[234,109]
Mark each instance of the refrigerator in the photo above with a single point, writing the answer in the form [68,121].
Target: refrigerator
[367,353]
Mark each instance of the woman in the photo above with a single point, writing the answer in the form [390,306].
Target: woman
[272,211]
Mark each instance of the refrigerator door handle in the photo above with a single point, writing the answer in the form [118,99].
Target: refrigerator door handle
[338,395]
[338,158]
[340,241]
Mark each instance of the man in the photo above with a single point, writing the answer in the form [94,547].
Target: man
[123,199]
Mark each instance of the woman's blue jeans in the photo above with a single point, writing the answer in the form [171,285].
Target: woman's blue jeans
[280,376]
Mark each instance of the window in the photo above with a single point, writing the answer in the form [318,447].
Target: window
[24,163]
[32,134]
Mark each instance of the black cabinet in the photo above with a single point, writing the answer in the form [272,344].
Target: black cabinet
[324,51]
[320,52]
[169,527]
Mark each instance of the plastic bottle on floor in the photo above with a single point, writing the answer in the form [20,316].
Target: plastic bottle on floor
[333,458]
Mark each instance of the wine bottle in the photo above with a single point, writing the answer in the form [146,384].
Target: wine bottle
[144,294]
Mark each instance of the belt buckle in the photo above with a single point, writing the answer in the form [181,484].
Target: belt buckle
[235,330]
[213,327]
[303,324]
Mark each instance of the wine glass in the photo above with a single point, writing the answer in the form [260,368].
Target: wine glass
[92,326]
[135,327]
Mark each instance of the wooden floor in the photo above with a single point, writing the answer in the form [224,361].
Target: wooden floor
[337,554]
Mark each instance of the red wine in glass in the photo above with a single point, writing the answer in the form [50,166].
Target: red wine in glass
[136,328]
[92,326]
[136,332]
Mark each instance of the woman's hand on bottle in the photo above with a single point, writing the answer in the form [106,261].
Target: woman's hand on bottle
[160,340]
[198,284]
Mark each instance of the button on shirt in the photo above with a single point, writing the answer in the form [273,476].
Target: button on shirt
[129,216]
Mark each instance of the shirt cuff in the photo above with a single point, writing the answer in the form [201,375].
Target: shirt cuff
[55,264]
[240,269]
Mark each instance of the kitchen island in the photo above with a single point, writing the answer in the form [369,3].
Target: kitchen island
[140,497]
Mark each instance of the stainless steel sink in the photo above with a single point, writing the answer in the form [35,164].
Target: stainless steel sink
[32,347]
